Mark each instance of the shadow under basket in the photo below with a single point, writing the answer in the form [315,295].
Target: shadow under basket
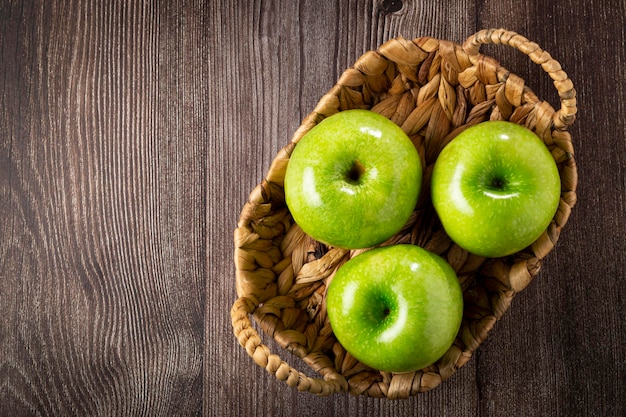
[433,89]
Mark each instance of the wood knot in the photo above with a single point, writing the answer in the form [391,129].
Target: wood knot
[391,6]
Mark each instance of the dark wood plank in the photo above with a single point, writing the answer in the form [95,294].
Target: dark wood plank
[569,356]
[273,62]
[130,137]
[102,182]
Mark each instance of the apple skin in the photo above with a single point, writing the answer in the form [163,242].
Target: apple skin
[395,308]
[353,180]
[495,187]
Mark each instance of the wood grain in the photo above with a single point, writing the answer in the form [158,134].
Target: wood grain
[131,134]
[103,251]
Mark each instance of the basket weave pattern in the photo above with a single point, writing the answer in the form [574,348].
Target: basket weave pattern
[433,89]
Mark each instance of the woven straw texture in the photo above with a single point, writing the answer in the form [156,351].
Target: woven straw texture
[433,89]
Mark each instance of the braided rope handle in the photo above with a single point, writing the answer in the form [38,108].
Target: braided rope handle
[563,117]
[249,338]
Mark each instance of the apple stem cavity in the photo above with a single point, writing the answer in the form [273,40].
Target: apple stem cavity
[355,173]
[497,184]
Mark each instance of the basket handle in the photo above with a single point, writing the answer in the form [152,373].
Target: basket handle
[566,115]
[249,338]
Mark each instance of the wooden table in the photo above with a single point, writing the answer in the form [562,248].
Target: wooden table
[131,134]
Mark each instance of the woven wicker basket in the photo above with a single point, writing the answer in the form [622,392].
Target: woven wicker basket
[433,89]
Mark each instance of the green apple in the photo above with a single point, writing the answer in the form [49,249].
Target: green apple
[395,308]
[353,180]
[495,187]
